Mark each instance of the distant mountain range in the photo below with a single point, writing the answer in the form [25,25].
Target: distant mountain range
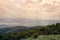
[10,22]
[13,29]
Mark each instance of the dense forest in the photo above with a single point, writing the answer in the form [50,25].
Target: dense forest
[22,32]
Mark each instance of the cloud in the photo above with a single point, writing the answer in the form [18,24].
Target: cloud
[30,10]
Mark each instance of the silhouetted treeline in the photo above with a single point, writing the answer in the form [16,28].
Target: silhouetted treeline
[32,32]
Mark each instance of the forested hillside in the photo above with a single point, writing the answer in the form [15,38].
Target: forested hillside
[22,32]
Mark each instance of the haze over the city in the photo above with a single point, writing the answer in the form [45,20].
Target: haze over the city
[32,10]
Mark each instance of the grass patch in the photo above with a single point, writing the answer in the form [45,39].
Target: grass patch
[46,37]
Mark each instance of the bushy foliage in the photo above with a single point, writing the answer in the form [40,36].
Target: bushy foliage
[32,32]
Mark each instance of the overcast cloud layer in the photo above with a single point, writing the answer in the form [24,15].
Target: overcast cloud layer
[29,9]
[41,9]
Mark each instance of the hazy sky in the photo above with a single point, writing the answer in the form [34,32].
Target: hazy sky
[30,9]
